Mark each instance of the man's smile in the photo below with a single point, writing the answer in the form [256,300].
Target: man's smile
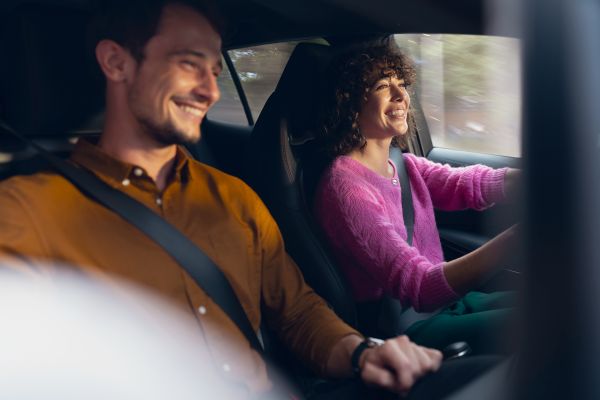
[192,109]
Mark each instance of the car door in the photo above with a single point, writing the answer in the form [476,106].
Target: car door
[467,105]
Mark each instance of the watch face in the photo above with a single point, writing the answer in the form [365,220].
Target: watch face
[374,342]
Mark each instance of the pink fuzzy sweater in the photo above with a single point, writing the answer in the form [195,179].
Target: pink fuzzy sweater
[360,212]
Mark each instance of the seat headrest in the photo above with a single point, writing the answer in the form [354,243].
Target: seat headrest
[47,83]
[300,89]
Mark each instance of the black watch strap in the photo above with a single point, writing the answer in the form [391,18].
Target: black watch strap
[368,343]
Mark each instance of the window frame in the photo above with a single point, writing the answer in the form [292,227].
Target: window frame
[238,86]
[420,143]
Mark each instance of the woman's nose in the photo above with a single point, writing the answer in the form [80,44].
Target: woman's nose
[398,93]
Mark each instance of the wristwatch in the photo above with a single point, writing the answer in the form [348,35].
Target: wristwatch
[368,343]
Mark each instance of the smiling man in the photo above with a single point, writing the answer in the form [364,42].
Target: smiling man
[161,61]
[157,98]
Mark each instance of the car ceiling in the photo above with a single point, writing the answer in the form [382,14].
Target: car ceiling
[262,21]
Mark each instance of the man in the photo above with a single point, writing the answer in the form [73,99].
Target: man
[161,62]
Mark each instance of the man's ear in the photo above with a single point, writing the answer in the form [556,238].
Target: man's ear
[115,61]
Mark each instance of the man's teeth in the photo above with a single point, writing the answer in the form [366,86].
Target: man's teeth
[396,113]
[191,110]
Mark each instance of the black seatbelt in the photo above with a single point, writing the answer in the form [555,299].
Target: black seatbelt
[408,211]
[375,317]
[189,256]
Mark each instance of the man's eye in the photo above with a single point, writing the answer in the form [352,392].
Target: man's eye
[190,64]
[382,86]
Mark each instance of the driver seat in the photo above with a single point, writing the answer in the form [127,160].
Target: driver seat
[284,169]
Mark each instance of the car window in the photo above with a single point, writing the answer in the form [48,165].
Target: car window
[229,108]
[259,69]
[469,88]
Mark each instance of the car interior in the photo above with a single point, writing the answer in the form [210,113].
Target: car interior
[50,93]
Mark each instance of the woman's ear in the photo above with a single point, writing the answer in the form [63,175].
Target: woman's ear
[115,61]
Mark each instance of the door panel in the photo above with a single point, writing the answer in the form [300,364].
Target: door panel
[463,231]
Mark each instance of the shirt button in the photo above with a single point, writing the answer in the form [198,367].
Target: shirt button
[394,181]
[202,310]
[138,171]
[159,201]
[125,182]
[226,368]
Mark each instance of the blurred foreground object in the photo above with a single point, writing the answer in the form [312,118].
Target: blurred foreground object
[72,338]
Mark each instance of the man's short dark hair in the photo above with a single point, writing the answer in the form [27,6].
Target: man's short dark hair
[131,23]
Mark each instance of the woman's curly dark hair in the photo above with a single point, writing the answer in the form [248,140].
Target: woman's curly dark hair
[351,76]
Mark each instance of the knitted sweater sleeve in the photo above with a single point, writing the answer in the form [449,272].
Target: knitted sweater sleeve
[475,186]
[355,219]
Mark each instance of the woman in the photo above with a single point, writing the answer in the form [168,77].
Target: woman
[358,205]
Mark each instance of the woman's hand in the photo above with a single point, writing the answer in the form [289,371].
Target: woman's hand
[471,270]
[512,184]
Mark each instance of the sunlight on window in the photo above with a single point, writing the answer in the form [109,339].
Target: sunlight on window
[470,90]
[259,69]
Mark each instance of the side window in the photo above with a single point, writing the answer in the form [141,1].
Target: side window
[469,88]
[229,108]
[258,69]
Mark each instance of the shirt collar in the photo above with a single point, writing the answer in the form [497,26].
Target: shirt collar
[91,157]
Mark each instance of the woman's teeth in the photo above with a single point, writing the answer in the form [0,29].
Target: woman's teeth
[396,113]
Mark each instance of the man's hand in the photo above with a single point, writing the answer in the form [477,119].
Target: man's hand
[397,364]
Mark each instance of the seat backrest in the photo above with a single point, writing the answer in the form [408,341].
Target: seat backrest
[283,169]
[48,90]
[47,82]
[51,89]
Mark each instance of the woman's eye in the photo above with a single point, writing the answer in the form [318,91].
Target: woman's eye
[382,86]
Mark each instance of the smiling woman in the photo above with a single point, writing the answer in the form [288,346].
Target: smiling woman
[359,107]
[385,110]
[360,208]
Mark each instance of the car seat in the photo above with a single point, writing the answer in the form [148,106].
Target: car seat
[47,89]
[284,167]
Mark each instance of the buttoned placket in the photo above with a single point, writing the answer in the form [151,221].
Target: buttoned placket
[202,311]
[138,173]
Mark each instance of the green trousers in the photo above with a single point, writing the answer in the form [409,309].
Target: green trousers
[483,320]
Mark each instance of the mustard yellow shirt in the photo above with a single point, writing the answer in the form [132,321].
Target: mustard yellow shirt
[43,217]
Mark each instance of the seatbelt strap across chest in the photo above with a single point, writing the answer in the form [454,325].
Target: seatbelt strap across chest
[185,252]
[408,212]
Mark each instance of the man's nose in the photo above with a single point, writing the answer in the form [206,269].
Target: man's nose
[207,87]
